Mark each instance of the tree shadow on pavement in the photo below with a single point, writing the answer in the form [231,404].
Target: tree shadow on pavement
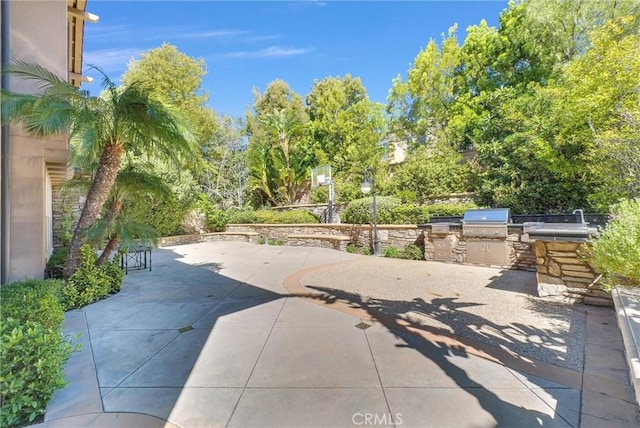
[447,310]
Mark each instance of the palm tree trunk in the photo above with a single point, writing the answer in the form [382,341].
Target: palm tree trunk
[113,210]
[106,173]
[111,246]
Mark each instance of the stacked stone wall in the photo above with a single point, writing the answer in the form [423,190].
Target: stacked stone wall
[562,269]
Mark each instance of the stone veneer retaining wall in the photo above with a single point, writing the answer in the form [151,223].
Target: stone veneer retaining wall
[391,235]
[562,270]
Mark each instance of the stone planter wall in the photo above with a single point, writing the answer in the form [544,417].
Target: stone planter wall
[561,270]
[390,235]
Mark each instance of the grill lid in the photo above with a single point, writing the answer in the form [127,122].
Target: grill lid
[487,216]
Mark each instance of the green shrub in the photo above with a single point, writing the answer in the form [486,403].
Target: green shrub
[412,252]
[163,214]
[296,217]
[319,195]
[216,219]
[90,282]
[279,242]
[272,217]
[391,252]
[411,214]
[243,217]
[352,248]
[616,250]
[31,361]
[449,209]
[32,349]
[58,257]
[33,300]
[366,251]
[360,211]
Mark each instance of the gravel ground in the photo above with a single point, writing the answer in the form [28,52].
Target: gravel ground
[493,306]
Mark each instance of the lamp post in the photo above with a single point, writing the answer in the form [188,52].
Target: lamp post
[369,185]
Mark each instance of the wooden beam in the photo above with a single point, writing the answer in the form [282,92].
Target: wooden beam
[80,77]
[83,15]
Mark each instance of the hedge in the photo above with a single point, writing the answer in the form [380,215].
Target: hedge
[32,349]
[390,211]
[272,217]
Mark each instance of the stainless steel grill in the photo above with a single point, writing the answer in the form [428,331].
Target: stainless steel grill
[486,223]
[487,229]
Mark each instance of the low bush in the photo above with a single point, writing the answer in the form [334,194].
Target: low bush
[616,250]
[272,217]
[360,211]
[319,195]
[411,214]
[33,300]
[390,211]
[355,249]
[449,209]
[352,248]
[391,252]
[32,349]
[295,217]
[412,252]
[243,217]
[31,362]
[58,257]
[216,219]
[91,283]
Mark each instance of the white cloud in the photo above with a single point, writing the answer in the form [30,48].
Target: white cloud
[112,59]
[107,32]
[208,34]
[271,52]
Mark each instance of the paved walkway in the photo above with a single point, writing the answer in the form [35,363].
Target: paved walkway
[237,334]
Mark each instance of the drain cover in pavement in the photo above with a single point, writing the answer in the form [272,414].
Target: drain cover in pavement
[362,326]
[185,329]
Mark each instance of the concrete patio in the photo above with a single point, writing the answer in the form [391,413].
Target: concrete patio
[237,334]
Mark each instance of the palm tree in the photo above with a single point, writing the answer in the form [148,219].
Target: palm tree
[278,166]
[116,225]
[121,120]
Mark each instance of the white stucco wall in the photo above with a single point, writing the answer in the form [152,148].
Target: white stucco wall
[38,34]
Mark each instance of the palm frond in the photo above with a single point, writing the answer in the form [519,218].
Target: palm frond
[42,77]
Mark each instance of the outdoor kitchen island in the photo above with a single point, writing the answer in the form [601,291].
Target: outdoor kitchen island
[555,251]
[483,237]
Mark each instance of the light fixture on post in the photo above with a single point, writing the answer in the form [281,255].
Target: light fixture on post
[369,185]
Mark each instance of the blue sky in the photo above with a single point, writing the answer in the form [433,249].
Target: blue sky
[249,44]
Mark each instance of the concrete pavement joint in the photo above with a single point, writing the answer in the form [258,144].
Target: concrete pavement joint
[93,358]
[275,320]
[375,365]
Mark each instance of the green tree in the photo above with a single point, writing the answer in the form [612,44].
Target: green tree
[346,127]
[279,152]
[176,78]
[281,155]
[420,108]
[597,111]
[431,172]
[121,120]
[226,182]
